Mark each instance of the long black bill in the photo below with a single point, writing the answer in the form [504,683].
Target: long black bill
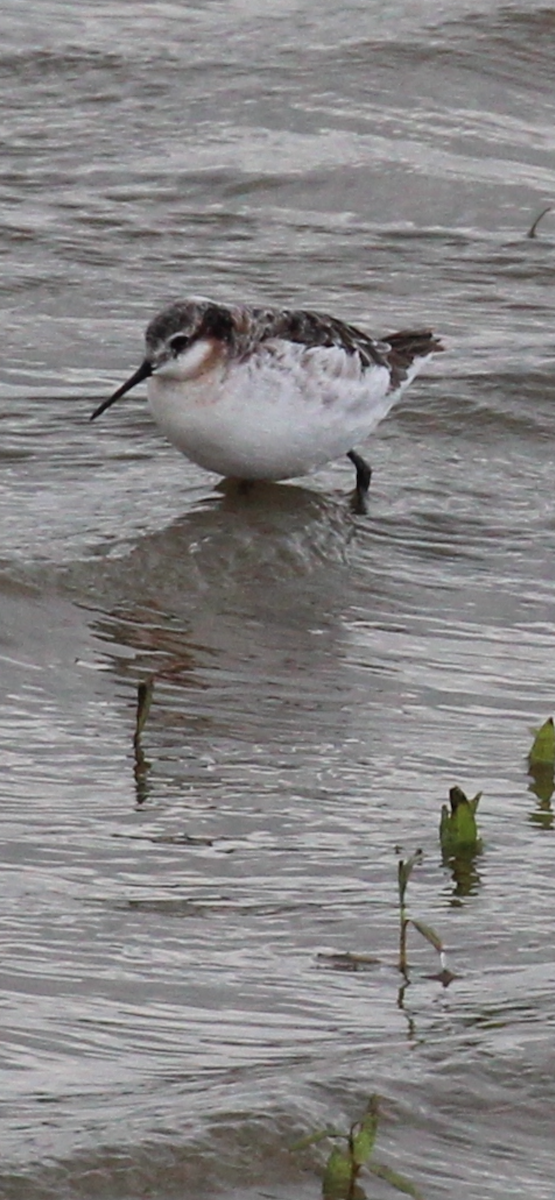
[143,372]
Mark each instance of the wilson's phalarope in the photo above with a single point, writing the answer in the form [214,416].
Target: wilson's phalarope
[267,393]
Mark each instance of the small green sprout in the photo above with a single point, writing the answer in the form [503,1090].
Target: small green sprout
[345,1163]
[541,769]
[458,830]
[543,748]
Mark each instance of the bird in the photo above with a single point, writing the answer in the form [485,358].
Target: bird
[267,393]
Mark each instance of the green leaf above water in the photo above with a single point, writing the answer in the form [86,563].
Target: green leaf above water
[363,1134]
[543,747]
[339,1176]
[345,1162]
[405,867]
[400,1182]
[145,691]
[430,934]
[312,1139]
[458,829]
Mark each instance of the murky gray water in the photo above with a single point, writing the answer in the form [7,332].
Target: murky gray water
[168,1028]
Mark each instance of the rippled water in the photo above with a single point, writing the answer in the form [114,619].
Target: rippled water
[171,1017]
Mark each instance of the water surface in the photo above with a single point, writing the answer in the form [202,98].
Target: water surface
[172,1021]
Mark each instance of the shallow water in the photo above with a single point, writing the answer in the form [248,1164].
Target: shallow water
[173,1019]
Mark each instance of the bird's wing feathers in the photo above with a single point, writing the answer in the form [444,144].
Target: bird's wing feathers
[316,329]
[396,352]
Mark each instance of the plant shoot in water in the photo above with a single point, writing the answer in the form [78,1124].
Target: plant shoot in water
[345,1163]
[145,691]
[458,830]
[541,769]
[404,872]
[542,752]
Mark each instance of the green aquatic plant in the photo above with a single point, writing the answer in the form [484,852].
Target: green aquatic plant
[345,1162]
[541,769]
[458,829]
[404,872]
[347,961]
[542,752]
[145,690]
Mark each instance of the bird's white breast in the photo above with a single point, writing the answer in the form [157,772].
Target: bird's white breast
[281,412]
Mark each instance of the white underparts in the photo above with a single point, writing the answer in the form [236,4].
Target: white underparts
[280,413]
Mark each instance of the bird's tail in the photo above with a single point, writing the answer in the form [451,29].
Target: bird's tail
[408,351]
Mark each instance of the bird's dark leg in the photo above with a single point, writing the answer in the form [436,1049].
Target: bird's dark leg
[364,475]
[245,486]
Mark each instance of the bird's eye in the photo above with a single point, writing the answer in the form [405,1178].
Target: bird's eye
[179,343]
